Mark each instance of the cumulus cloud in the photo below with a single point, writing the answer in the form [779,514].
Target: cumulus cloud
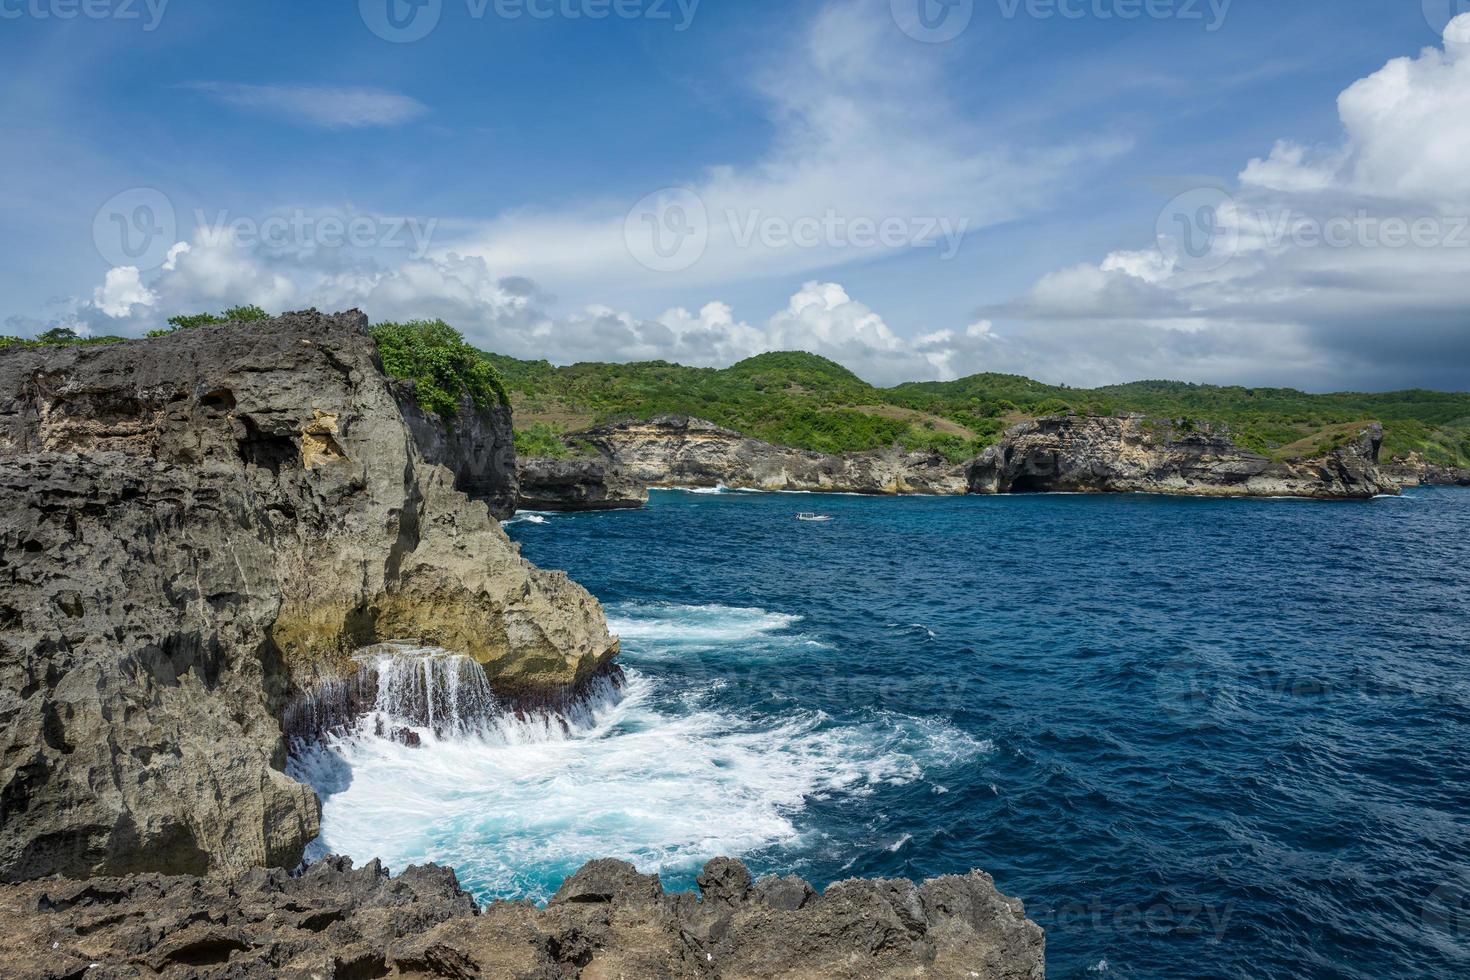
[506,313]
[324,106]
[121,291]
[1329,266]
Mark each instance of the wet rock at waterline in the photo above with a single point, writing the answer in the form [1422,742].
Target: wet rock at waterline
[606,921]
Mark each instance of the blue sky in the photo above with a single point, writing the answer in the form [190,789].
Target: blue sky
[501,169]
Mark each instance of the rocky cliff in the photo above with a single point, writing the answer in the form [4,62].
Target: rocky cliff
[477,445]
[1139,455]
[1415,471]
[607,921]
[196,527]
[680,451]
[578,485]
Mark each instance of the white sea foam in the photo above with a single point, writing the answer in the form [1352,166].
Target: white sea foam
[653,624]
[663,781]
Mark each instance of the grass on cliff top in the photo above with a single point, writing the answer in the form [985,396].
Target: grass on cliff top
[434,356]
[803,400]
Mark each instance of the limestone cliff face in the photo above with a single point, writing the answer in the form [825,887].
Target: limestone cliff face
[1415,471]
[195,526]
[1139,455]
[578,485]
[677,450]
[477,445]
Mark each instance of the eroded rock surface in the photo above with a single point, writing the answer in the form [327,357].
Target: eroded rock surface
[680,451]
[607,921]
[195,527]
[477,445]
[578,485]
[1138,455]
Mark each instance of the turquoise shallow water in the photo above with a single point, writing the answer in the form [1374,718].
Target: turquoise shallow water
[1199,738]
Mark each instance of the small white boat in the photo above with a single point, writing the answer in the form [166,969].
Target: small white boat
[808,516]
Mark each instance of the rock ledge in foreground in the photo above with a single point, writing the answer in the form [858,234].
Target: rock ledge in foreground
[607,920]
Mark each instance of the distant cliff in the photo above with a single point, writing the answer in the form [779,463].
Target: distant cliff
[578,485]
[199,526]
[1140,455]
[680,451]
[1073,453]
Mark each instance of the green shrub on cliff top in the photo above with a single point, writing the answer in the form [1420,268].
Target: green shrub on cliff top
[443,368]
[191,321]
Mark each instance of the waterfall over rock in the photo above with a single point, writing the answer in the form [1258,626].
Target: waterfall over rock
[426,687]
[404,690]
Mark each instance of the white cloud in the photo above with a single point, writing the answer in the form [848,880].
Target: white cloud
[324,106]
[121,291]
[1406,133]
[1326,283]
[862,135]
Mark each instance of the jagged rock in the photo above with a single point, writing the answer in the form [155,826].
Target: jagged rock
[477,445]
[608,921]
[1414,471]
[680,451]
[195,527]
[578,485]
[1134,454]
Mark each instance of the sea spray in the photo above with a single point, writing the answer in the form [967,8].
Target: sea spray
[653,770]
[403,686]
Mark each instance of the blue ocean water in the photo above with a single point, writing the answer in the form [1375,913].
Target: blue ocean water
[1199,738]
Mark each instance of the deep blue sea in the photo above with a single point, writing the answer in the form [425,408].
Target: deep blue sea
[1200,738]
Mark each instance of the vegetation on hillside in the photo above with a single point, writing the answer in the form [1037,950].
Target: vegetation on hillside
[56,336]
[807,401]
[789,398]
[434,356]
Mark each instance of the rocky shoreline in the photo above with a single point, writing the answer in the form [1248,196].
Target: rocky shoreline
[1073,454]
[606,921]
[201,531]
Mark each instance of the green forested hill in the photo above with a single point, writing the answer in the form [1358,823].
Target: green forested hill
[804,400]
